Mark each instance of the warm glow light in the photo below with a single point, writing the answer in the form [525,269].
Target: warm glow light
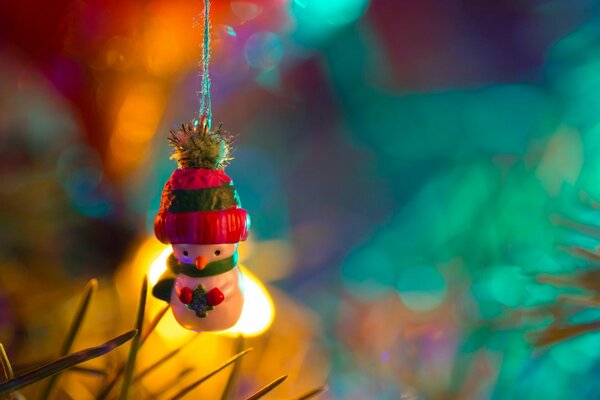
[258,311]
[257,314]
[159,265]
[136,123]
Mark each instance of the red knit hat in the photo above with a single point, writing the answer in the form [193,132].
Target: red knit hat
[199,203]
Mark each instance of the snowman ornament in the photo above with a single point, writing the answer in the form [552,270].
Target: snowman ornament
[201,217]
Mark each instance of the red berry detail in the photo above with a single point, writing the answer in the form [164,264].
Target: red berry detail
[185,295]
[214,297]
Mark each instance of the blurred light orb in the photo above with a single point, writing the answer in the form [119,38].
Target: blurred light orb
[159,265]
[571,357]
[263,50]
[421,287]
[369,272]
[79,170]
[335,12]
[245,10]
[504,284]
[79,167]
[226,30]
[258,311]
[95,204]
[227,57]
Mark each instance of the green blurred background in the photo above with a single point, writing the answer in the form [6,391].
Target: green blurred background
[421,175]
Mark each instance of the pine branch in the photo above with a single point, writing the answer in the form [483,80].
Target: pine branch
[103,394]
[164,359]
[230,386]
[88,295]
[64,363]
[312,393]
[555,334]
[135,343]
[192,386]
[266,389]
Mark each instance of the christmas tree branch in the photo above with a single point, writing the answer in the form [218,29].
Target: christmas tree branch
[163,360]
[229,387]
[88,294]
[555,334]
[89,371]
[192,386]
[312,393]
[266,389]
[582,301]
[6,366]
[173,383]
[152,325]
[64,363]
[115,377]
[7,370]
[135,343]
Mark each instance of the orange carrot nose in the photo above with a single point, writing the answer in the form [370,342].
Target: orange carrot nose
[201,262]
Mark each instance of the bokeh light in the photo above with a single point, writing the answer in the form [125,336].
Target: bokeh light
[421,287]
[263,50]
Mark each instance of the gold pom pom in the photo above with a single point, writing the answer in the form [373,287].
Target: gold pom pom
[195,146]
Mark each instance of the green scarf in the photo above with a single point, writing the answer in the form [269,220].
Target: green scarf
[163,288]
[212,268]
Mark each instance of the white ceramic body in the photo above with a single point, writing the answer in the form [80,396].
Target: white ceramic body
[222,316]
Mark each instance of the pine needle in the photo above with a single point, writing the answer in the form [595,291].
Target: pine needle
[88,294]
[170,385]
[157,364]
[115,377]
[555,334]
[163,360]
[230,386]
[152,325]
[89,371]
[64,363]
[7,372]
[582,301]
[192,386]
[6,366]
[312,393]
[135,343]
[266,389]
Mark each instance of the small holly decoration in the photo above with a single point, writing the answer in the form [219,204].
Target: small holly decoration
[199,300]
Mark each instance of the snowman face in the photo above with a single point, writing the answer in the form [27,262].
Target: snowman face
[189,253]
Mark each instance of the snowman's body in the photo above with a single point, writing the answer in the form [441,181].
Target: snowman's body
[213,267]
[224,315]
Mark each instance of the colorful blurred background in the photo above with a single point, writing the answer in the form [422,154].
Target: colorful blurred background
[423,179]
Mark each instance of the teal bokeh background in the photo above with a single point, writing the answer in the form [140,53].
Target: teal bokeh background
[433,165]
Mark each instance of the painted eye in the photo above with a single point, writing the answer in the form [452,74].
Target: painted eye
[218,253]
[185,253]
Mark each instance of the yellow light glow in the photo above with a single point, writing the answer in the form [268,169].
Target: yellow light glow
[159,265]
[257,314]
[258,311]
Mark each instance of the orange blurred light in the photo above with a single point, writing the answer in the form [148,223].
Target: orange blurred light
[136,123]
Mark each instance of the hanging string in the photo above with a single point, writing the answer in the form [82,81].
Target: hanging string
[205,103]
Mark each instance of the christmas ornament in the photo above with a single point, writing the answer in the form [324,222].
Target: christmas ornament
[201,217]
